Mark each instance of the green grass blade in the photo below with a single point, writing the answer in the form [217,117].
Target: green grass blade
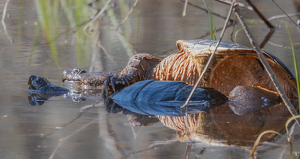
[211,22]
[235,35]
[295,64]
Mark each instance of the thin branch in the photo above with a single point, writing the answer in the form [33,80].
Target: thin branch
[286,14]
[94,55]
[154,146]
[234,22]
[103,48]
[98,41]
[210,58]
[60,142]
[96,16]
[128,47]
[129,44]
[266,65]
[124,20]
[283,16]
[280,45]
[3,23]
[188,150]
[268,23]
[68,123]
[267,38]
[204,9]
[260,15]
[86,107]
[282,153]
[135,134]
[240,4]
[185,6]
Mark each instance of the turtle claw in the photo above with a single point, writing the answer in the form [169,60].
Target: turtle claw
[103,91]
[127,82]
[105,88]
[113,84]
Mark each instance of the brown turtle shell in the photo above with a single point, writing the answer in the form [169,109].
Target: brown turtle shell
[233,65]
[236,65]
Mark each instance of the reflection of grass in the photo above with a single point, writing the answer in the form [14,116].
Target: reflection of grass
[36,40]
[259,137]
[20,21]
[275,132]
[111,14]
[82,41]
[49,16]
[124,10]
[296,66]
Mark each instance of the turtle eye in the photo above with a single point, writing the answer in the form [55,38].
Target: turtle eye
[76,70]
[39,80]
[31,78]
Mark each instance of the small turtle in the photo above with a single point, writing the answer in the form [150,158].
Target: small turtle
[233,65]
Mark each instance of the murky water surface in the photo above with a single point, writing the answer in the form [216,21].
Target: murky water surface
[45,42]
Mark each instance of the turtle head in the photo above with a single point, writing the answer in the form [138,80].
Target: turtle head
[72,75]
[35,83]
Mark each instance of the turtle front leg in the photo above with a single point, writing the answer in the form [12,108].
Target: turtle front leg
[140,67]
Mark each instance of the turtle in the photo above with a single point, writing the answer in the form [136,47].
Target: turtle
[233,65]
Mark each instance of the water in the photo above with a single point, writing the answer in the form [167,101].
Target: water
[60,128]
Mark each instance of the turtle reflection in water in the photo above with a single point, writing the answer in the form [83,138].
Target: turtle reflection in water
[232,66]
[222,126]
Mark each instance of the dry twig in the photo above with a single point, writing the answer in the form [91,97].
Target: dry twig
[187,150]
[129,44]
[124,20]
[90,22]
[185,6]
[267,22]
[240,4]
[204,9]
[271,27]
[286,14]
[96,16]
[259,14]
[283,16]
[60,142]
